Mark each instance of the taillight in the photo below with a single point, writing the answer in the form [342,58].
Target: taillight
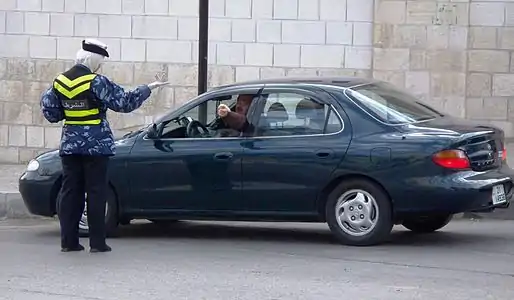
[452,159]
[504,154]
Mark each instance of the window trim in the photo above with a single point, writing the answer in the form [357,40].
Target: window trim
[288,90]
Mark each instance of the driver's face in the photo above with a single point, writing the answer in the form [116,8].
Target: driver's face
[243,103]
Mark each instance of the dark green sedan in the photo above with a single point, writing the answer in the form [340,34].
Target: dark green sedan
[358,154]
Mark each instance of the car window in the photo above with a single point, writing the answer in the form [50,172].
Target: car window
[289,114]
[391,105]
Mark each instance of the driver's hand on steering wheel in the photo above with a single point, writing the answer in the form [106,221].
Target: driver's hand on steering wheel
[223,110]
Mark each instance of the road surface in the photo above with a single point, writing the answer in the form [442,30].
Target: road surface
[205,260]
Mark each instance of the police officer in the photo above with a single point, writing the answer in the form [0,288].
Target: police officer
[81,98]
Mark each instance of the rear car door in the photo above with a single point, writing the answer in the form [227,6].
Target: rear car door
[299,140]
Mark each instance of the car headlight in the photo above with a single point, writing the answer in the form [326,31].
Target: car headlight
[33,166]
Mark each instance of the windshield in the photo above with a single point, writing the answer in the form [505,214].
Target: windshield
[390,104]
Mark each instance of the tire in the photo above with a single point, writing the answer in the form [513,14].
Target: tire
[427,224]
[368,199]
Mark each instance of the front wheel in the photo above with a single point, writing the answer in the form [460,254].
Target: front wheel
[427,224]
[111,216]
[359,213]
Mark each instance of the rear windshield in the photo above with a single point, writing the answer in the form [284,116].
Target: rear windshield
[390,104]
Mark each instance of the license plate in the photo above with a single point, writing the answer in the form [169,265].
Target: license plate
[499,194]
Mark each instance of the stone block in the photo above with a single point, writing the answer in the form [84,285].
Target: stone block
[391,59]
[230,54]
[3,68]
[103,7]
[14,22]
[220,75]
[303,32]
[479,85]
[3,205]
[247,73]
[9,155]
[53,5]
[67,47]
[448,84]
[267,73]
[418,82]
[144,73]
[452,105]
[11,90]
[446,60]
[135,7]
[211,59]
[190,8]
[313,56]
[509,14]
[17,136]
[308,10]
[409,36]
[258,54]
[26,155]
[115,26]
[286,56]
[285,9]
[487,13]
[438,37]
[360,10]
[458,37]
[391,12]
[489,108]
[121,73]
[17,113]
[488,61]
[301,72]
[4,134]
[75,6]
[396,78]
[35,136]
[243,30]
[8,5]
[238,8]
[52,136]
[86,25]
[43,47]
[157,7]
[358,57]
[155,27]
[362,34]
[133,50]
[262,9]
[220,30]
[37,23]
[29,5]
[184,94]
[506,38]
[18,46]
[169,51]
[62,24]
[33,90]
[3,21]
[47,70]
[183,75]
[421,12]
[269,31]
[340,33]
[503,85]
[188,28]
[332,10]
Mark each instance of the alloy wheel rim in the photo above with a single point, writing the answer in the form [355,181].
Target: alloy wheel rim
[83,223]
[357,212]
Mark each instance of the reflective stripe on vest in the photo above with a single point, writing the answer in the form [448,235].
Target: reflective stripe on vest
[77,111]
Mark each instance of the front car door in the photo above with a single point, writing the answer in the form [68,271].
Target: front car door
[299,141]
[177,172]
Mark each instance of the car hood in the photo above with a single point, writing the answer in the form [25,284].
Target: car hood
[449,127]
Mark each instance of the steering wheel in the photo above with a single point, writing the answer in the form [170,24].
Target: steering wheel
[195,128]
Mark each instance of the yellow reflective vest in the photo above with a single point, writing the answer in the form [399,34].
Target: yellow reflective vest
[73,88]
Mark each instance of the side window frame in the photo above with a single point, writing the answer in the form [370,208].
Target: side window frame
[320,97]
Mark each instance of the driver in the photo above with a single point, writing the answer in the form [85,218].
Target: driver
[236,120]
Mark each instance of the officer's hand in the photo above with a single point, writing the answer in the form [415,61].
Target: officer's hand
[157,84]
[223,110]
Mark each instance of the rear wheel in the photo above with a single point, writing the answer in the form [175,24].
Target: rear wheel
[427,224]
[359,213]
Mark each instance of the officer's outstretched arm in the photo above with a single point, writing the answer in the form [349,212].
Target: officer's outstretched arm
[116,98]
[51,106]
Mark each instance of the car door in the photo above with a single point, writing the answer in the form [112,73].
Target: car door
[187,174]
[299,141]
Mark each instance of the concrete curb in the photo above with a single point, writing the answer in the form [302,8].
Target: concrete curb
[13,207]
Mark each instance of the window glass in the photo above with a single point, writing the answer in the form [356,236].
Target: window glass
[390,104]
[294,114]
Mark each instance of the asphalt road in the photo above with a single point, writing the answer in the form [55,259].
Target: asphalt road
[201,260]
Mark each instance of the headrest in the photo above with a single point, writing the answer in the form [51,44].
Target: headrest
[277,113]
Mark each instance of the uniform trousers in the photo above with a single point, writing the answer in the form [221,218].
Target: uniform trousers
[83,174]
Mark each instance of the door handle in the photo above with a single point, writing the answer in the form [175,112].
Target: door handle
[223,156]
[324,153]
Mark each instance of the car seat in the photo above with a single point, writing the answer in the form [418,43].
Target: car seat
[313,115]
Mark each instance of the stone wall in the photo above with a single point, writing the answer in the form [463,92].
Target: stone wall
[249,40]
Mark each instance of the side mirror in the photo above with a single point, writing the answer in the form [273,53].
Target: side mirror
[151,133]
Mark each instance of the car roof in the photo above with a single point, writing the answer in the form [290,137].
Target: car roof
[344,82]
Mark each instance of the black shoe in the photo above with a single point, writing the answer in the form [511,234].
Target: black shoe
[102,249]
[77,248]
